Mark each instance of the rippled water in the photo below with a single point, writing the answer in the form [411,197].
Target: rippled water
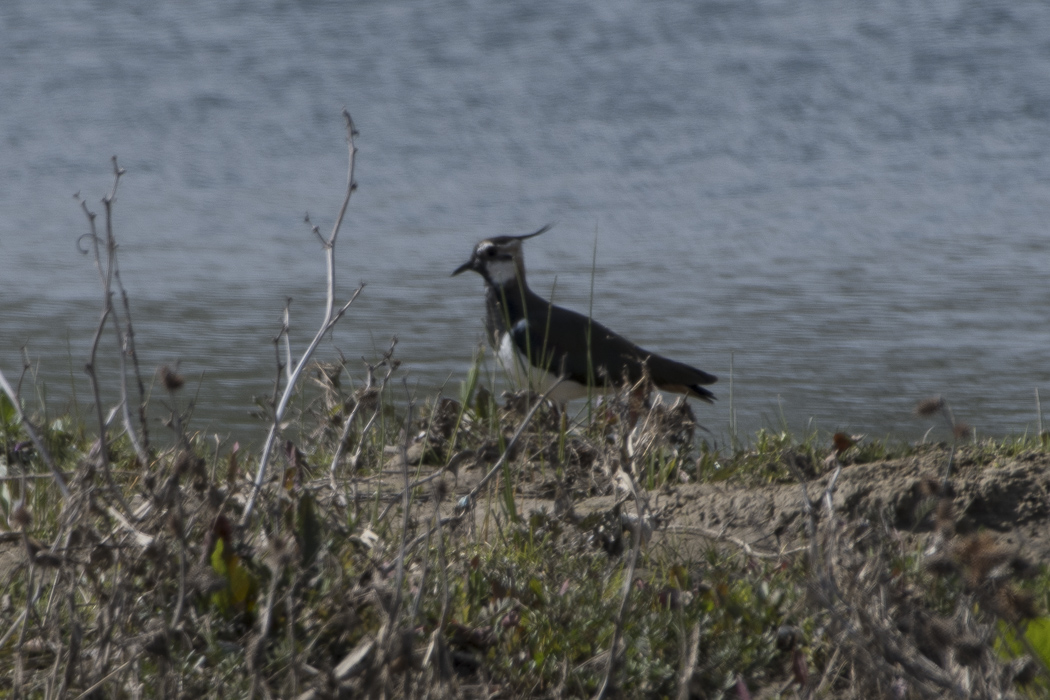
[848,206]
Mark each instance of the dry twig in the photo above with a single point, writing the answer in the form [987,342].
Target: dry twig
[331,317]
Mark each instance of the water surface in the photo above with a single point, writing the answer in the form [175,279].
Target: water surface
[848,206]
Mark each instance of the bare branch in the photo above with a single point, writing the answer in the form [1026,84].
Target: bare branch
[129,345]
[125,341]
[286,331]
[106,275]
[281,364]
[342,310]
[330,318]
[107,306]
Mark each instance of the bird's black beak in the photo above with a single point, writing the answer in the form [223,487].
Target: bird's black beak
[468,265]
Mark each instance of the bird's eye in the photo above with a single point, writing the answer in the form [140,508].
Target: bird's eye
[489,252]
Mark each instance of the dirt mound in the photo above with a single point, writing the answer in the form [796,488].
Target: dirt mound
[1009,497]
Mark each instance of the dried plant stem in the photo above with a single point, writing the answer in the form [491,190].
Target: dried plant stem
[34,436]
[290,625]
[721,536]
[471,497]
[875,643]
[331,317]
[466,503]
[33,591]
[256,647]
[107,270]
[406,516]
[286,331]
[177,615]
[691,661]
[106,275]
[1038,414]
[90,367]
[340,447]
[15,625]
[420,583]
[437,641]
[608,686]
[129,342]
[950,417]
[282,365]
[72,656]
[102,681]
[124,341]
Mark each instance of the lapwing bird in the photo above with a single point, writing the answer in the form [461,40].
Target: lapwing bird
[547,342]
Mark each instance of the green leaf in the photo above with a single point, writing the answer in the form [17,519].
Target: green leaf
[221,599]
[218,563]
[1037,633]
[8,414]
[536,586]
[242,588]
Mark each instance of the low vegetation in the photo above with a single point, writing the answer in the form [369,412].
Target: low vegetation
[566,575]
[479,547]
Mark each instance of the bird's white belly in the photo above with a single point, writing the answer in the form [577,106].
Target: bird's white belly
[538,380]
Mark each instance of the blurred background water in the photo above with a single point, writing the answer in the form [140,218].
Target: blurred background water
[847,204]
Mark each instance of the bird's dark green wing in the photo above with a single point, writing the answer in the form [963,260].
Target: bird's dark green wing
[564,342]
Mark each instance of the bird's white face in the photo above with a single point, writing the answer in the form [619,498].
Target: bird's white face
[499,261]
[502,272]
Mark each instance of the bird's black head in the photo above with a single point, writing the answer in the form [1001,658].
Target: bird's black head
[499,260]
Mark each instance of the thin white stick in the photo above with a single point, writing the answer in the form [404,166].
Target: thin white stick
[331,317]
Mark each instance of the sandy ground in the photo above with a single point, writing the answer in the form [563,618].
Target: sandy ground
[1008,497]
